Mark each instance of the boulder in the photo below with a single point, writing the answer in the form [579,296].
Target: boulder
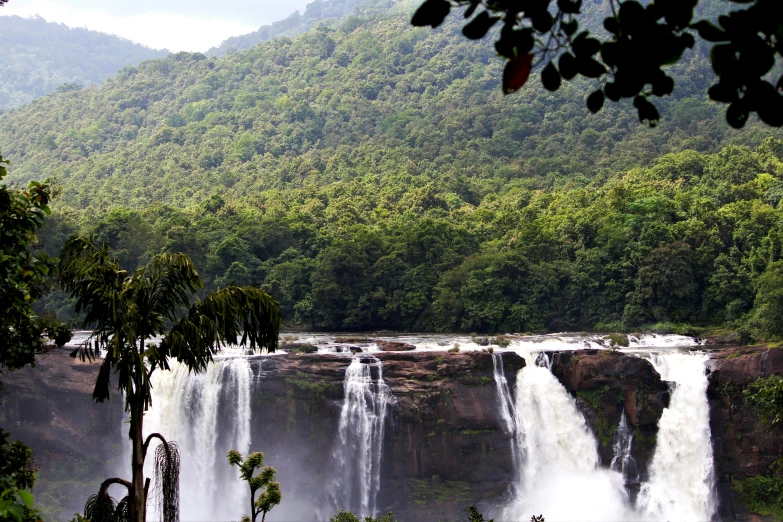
[606,383]
[395,346]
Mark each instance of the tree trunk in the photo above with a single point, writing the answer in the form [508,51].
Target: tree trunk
[137,497]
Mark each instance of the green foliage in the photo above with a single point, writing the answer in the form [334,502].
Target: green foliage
[347,516]
[374,188]
[41,57]
[17,477]
[126,311]
[475,516]
[306,382]
[434,490]
[762,495]
[24,273]
[597,398]
[632,49]
[617,339]
[477,432]
[765,396]
[263,483]
[769,300]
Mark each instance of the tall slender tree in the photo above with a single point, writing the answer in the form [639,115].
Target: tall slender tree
[141,320]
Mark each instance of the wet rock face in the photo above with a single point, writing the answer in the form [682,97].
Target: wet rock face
[76,443]
[744,446]
[605,383]
[444,447]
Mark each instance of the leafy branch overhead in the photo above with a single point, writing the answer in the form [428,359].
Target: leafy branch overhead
[629,59]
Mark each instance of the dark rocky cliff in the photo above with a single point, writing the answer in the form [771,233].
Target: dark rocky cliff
[605,384]
[744,445]
[75,441]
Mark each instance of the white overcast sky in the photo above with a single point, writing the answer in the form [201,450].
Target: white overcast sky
[177,25]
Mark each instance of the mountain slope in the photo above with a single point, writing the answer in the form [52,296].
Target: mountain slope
[40,56]
[372,176]
[309,109]
[295,24]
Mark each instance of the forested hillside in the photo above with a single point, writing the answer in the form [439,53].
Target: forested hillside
[296,23]
[373,176]
[39,57]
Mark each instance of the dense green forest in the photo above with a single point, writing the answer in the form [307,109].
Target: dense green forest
[40,57]
[372,176]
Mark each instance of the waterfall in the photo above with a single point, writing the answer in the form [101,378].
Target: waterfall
[506,403]
[560,477]
[681,483]
[622,461]
[359,445]
[206,414]
[507,415]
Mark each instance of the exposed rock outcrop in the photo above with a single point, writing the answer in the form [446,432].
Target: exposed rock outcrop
[744,445]
[605,383]
[76,442]
[394,346]
[444,446]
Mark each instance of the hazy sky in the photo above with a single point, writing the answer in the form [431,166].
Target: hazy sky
[178,25]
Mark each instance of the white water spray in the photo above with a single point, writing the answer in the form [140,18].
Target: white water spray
[560,477]
[206,414]
[359,446]
[623,461]
[681,483]
[508,415]
[505,400]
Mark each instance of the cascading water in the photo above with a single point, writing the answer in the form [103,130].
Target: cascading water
[622,461]
[553,450]
[206,414]
[505,401]
[507,412]
[560,455]
[359,446]
[681,483]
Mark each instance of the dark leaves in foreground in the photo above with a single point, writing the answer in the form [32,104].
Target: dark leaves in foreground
[644,38]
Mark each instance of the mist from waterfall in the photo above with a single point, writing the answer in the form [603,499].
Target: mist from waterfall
[560,477]
[206,414]
[681,485]
[358,449]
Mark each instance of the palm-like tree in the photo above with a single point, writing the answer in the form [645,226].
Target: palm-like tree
[141,320]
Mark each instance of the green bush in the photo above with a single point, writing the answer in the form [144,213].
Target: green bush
[763,495]
[765,396]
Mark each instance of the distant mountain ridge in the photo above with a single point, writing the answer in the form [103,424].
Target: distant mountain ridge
[39,57]
[298,23]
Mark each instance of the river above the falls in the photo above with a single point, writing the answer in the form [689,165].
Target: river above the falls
[370,342]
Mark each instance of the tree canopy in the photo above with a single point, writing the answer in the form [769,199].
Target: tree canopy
[141,319]
[24,273]
[628,56]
